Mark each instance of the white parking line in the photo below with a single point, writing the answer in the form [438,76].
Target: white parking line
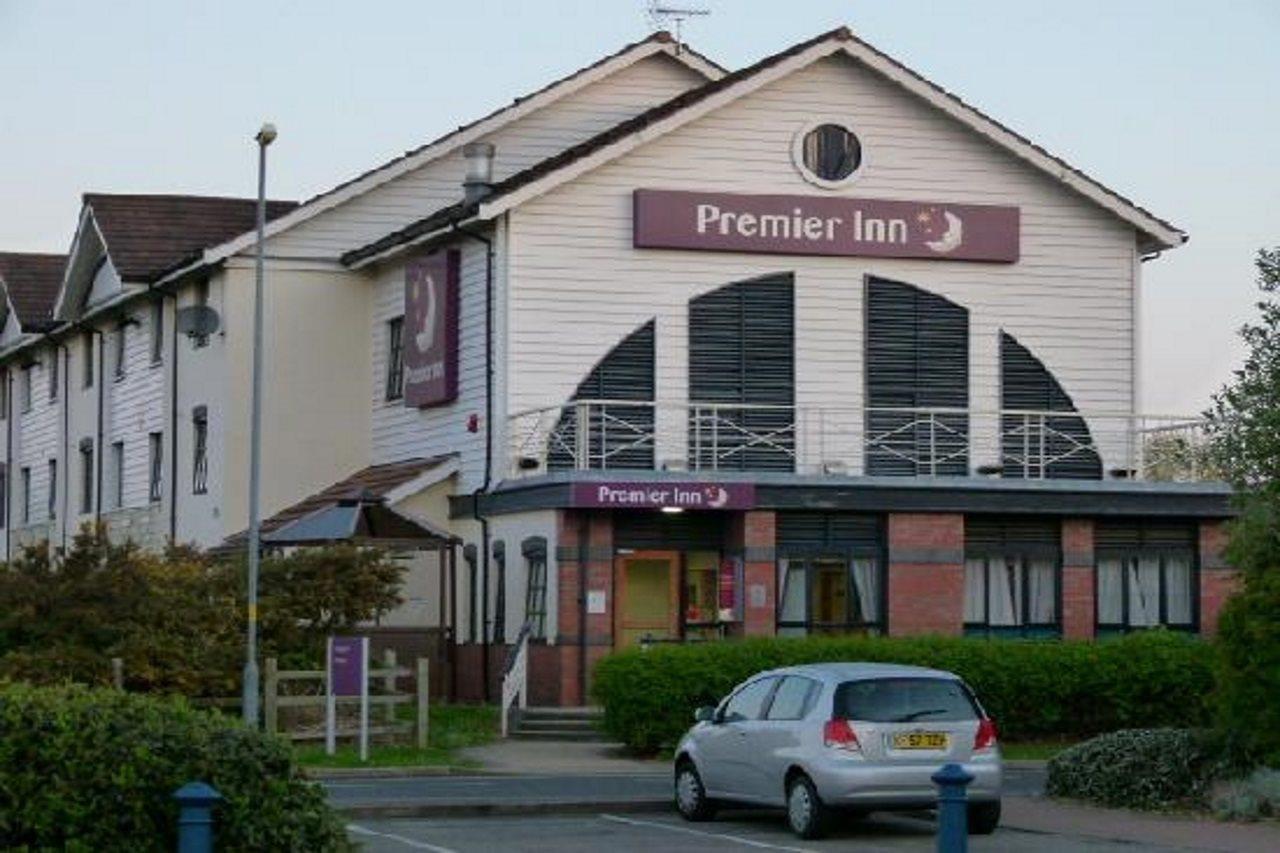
[750,842]
[408,842]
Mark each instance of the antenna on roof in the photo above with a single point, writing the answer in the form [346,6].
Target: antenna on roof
[660,13]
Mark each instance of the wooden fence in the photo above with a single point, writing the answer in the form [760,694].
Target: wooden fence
[297,691]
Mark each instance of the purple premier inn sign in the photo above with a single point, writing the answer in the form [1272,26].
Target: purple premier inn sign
[622,495]
[346,665]
[429,336]
[825,225]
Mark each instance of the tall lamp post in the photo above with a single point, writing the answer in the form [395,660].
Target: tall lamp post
[250,700]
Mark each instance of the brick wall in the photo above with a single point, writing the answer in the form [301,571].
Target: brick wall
[1078,605]
[561,665]
[755,533]
[926,573]
[1218,581]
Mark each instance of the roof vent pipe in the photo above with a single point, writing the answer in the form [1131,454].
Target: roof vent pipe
[479,180]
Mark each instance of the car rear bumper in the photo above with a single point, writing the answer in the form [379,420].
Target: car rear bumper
[850,783]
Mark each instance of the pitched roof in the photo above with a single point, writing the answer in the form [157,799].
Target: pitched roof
[32,281]
[1058,167]
[377,480]
[148,235]
[661,41]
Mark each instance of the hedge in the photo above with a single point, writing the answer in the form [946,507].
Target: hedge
[84,769]
[1033,688]
[1138,769]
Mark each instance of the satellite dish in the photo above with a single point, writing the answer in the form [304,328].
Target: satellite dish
[197,321]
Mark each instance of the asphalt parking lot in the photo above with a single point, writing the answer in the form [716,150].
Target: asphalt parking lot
[666,831]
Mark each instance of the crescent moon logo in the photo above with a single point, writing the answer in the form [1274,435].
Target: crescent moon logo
[426,335]
[717,497]
[951,238]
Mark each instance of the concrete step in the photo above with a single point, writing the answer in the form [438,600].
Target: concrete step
[569,735]
[534,724]
[568,713]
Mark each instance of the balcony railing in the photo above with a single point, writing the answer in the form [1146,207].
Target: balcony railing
[629,435]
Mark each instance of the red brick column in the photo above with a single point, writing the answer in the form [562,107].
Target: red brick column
[1218,581]
[1078,593]
[926,573]
[570,603]
[755,532]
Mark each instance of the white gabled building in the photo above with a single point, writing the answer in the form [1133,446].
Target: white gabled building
[812,346]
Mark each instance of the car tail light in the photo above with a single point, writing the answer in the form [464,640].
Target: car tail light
[986,736]
[838,734]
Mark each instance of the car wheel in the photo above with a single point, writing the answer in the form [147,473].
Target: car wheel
[984,818]
[691,797]
[806,813]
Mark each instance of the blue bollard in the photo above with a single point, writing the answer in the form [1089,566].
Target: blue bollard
[195,817]
[953,808]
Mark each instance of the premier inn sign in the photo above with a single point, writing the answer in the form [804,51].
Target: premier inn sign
[825,225]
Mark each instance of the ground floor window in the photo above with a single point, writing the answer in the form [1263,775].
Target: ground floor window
[535,602]
[1012,576]
[829,593]
[1146,576]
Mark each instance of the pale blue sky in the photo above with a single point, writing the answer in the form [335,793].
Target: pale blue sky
[1171,103]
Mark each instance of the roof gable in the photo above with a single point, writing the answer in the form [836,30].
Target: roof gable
[678,111]
[31,282]
[659,44]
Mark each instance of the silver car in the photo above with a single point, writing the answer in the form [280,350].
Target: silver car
[821,738]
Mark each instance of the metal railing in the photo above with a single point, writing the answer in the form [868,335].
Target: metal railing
[631,435]
[515,681]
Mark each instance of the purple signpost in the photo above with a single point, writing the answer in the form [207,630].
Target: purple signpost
[346,674]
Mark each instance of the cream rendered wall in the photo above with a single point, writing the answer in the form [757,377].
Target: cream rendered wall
[578,285]
[514,529]
[520,144]
[82,423]
[315,412]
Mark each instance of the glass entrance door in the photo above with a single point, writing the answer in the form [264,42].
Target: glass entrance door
[648,597]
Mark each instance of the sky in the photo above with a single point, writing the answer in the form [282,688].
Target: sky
[1173,104]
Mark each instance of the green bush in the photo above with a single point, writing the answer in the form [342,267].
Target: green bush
[1251,798]
[1138,769]
[1041,688]
[85,769]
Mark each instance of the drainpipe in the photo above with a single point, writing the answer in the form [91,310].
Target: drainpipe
[102,385]
[66,441]
[8,471]
[478,494]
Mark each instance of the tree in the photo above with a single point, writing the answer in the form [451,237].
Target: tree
[1244,428]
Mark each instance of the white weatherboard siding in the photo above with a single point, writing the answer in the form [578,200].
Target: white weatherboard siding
[520,144]
[39,438]
[135,405]
[404,432]
[579,286]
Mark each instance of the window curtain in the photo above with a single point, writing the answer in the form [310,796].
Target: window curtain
[791,582]
[1004,593]
[866,583]
[1110,591]
[1144,592]
[974,590]
[1042,591]
[1177,584]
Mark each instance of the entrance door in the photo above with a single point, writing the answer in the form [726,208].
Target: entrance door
[648,597]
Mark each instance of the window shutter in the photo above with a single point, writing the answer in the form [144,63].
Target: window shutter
[917,356]
[1011,534]
[819,529]
[620,436]
[742,351]
[1026,384]
[1136,535]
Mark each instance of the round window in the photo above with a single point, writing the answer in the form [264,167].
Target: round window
[830,152]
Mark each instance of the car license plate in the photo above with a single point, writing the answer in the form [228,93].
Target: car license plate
[920,740]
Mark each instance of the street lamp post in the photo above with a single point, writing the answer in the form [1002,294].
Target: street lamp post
[250,700]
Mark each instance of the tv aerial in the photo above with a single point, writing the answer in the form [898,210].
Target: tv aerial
[661,14]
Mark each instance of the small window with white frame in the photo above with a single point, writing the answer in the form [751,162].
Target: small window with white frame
[200,451]
[25,479]
[535,605]
[54,375]
[117,475]
[155,466]
[120,344]
[157,332]
[28,387]
[395,359]
[52,508]
[827,153]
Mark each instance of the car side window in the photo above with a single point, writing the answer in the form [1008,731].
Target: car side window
[792,699]
[748,702]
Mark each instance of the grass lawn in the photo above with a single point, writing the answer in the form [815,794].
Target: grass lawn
[451,727]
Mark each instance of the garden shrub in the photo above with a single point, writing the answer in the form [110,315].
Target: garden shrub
[1138,769]
[1254,797]
[85,769]
[1033,688]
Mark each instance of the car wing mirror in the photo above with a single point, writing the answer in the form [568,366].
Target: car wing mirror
[705,714]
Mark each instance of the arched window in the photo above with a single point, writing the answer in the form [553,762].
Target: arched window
[742,376]
[1035,444]
[618,436]
[917,363]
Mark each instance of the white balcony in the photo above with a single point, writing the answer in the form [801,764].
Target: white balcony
[626,435]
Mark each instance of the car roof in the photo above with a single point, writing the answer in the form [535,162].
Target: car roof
[860,670]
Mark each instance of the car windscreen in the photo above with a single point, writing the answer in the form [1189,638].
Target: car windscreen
[904,700]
